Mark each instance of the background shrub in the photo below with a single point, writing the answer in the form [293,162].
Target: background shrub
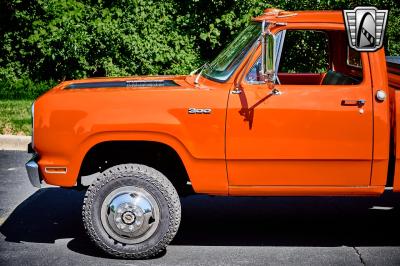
[47,41]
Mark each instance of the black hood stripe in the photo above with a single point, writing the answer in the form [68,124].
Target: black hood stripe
[128,83]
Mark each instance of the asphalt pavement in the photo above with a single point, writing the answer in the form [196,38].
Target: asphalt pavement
[43,227]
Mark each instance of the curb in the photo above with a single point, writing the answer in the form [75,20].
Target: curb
[14,143]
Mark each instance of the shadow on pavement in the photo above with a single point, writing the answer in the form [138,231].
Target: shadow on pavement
[55,213]
[47,215]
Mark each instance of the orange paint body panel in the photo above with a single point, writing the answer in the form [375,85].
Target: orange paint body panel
[302,137]
[65,132]
[301,142]
[394,87]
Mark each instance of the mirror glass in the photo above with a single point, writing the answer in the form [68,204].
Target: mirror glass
[268,58]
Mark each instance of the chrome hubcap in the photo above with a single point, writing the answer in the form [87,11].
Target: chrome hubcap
[130,215]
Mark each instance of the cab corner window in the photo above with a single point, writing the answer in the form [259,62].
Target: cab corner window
[353,58]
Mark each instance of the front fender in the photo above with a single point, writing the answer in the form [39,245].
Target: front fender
[69,122]
[211,181]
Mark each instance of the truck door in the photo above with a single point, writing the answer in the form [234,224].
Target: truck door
[316,132]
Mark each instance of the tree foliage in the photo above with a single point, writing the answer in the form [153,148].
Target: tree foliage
[46,41]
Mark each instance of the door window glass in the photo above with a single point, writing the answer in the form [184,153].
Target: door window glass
[305,51]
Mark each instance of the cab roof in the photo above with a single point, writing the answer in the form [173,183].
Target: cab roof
[282,16]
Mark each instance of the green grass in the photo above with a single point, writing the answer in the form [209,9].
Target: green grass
[15,117]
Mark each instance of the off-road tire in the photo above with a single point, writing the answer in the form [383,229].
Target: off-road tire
[154,183]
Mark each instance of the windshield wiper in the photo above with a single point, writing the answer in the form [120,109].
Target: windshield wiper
[199,71]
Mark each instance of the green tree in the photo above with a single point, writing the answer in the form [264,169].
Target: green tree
[46,41]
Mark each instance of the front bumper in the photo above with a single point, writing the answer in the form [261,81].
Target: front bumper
[33,172]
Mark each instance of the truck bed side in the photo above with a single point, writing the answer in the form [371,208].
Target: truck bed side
[394,91]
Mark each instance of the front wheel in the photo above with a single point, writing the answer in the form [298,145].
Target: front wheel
[131,211]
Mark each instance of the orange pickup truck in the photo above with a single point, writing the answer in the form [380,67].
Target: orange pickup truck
[253,122]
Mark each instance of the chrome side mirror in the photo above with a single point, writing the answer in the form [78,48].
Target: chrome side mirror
[268,55]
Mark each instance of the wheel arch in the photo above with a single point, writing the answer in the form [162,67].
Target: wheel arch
[171,149]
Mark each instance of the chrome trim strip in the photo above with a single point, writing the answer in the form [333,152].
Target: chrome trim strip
[280,40]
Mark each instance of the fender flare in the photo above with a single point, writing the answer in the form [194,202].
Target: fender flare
[88,143]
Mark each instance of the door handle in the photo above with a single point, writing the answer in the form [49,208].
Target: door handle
[358,103]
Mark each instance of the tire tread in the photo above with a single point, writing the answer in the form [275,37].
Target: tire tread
[145,173]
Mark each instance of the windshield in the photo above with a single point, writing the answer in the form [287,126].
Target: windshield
[229,59]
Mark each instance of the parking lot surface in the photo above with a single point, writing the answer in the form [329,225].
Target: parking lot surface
[43,227]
